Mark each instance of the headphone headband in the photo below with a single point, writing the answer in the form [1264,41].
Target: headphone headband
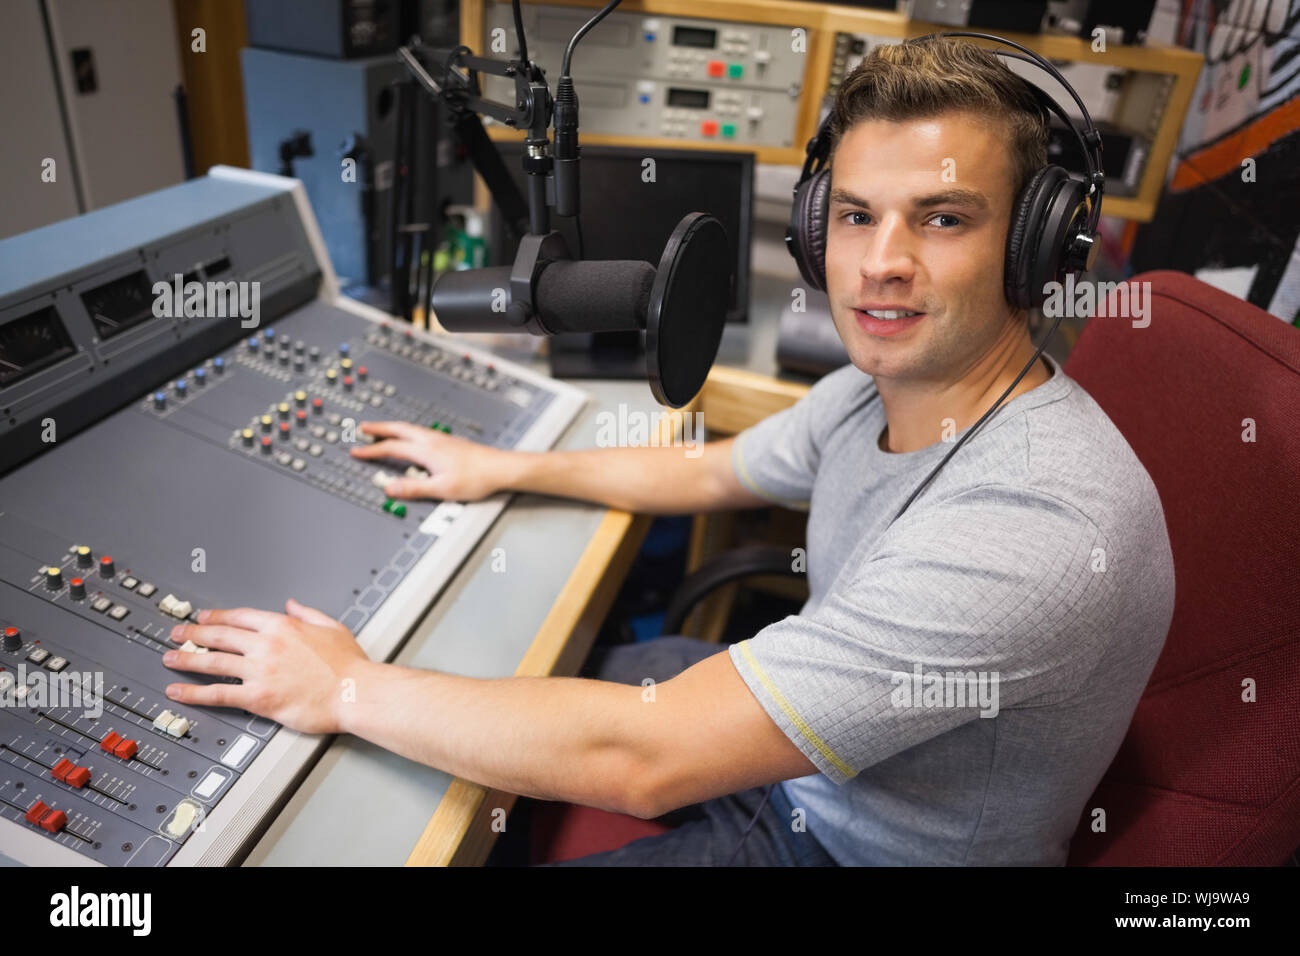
[818,148]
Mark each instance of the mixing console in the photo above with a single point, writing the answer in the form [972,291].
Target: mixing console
[198,463]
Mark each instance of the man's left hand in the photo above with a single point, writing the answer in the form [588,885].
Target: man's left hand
[294,666]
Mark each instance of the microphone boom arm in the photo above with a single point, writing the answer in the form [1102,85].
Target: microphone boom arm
[680,305]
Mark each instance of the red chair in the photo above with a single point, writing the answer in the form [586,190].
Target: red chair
[1202,777]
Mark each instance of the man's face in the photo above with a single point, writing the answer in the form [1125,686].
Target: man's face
[918,220]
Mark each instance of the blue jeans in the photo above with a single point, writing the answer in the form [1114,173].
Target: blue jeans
[708,833]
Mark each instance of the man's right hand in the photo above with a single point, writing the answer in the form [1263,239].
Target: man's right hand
[459,469]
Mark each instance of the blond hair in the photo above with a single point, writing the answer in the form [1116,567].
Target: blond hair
[923,79]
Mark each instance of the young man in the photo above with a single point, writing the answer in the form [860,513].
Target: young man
[957,682]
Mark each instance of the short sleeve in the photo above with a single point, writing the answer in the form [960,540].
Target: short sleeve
[777,458]
[983,602]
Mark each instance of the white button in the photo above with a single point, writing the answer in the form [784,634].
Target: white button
[238,751]
[210,784]
[167,604]
[182,818]
[182,609]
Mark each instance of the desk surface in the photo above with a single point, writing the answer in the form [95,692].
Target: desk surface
[470,630]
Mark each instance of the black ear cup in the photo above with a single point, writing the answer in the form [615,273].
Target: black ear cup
[806,236]
[1047,215]
[1026,215]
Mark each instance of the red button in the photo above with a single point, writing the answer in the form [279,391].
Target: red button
[126,749]
[302,416]
[284,428]
[361,372]
[265,441]
[317,404]
[78,778]
[61,769]
[717,68]
[45,818]
[12,631]
[708,127]
[347,381]
[111,741]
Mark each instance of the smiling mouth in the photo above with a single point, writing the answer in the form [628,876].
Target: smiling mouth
[888,315]
[887,322]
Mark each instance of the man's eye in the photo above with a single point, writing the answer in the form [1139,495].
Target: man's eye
[849,216]
[944,215]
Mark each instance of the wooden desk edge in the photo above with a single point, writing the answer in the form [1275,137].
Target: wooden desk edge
[460,831]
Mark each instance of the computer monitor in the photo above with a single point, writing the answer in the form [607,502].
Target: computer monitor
[629,209]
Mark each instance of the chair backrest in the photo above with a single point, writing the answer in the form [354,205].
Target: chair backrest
[1208,397]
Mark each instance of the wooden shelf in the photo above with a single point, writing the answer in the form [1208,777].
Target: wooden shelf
[823,21]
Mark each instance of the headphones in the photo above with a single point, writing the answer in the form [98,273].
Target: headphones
[1053,221]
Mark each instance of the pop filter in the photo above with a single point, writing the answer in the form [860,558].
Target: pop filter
[687,309]
[682,305]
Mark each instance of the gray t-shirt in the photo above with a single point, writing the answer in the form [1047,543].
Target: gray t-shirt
[1031,582]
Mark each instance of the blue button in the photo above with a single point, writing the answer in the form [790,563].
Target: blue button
[649,38]
[644,98]
[269,333]
[180,386]
[252,343]
[218,363]
[344,348]
[200,376]
[159,397]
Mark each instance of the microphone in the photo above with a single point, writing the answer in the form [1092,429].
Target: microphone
[681,304]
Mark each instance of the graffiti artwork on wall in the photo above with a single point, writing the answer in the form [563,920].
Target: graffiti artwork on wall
[1229,212]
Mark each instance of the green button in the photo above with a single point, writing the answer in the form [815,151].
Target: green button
[399,510]
[728,129]
[447,429]
[735,70]
[388,505]
[435,426]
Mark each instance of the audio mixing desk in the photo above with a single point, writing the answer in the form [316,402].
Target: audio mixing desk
[157,458]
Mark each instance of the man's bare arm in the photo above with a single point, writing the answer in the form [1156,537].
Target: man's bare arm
[628,749]
[661,480]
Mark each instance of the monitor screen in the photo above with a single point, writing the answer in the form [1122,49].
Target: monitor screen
[629,209]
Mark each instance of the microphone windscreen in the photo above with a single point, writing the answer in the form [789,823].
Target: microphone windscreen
[594,295]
